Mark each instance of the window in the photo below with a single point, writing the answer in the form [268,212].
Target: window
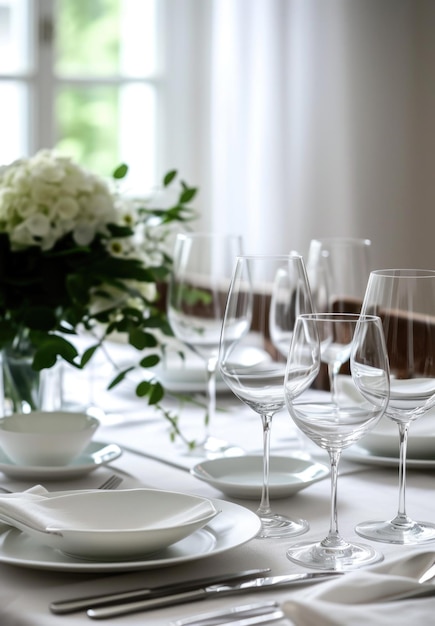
[84,77]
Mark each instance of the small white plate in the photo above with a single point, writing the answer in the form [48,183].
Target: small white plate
[234,526]
[96,454]
[362,455]
[242,476]
[110,525]
[383,440]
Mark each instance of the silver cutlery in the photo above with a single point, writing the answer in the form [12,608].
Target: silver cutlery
[77,604]
[257,584]
[110,483]
[265,618]
[262,611]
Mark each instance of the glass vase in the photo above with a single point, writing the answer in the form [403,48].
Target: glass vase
[25,389]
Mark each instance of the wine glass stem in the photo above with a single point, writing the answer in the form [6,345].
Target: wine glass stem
[403,439]
[333,539]
[264,508]
[211,394]
[333,369]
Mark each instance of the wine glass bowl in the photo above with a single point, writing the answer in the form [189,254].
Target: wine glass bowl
[338,270]
[405,301]
[198,286]
[338,420]
[265,297]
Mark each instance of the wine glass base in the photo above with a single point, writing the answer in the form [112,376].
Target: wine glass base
[275,526]
[345,558]
[214,448]
[411,533]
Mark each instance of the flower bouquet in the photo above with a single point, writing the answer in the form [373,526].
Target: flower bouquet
[77,255]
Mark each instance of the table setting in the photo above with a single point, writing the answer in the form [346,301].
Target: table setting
[173,455]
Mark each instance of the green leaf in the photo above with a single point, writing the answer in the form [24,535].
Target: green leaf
[143,388]
[169,177]
[120,172]
[150,361]
[157,393]
[88,354]
[47,353]
[188,194]
[119,378]
[140,339]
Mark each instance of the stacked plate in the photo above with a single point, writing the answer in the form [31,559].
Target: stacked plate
[118,530]
[381,445]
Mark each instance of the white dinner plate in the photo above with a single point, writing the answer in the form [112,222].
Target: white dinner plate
[96,454]
[383,440]
[234,526]
[362,455]
[108,525]
[242,477]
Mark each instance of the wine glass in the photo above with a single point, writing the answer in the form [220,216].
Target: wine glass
[405,301]
[250,364]
[198,286]
[336,422]
[338,269]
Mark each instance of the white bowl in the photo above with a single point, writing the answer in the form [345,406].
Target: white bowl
[45,438]
[120,524]
[242,476]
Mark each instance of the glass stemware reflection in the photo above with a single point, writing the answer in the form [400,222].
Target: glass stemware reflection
[198,286]
[251,364]
[336,422]
[405,301]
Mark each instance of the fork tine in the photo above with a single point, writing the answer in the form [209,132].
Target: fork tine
[111,483]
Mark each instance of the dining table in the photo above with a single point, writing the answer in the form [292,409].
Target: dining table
[150,458]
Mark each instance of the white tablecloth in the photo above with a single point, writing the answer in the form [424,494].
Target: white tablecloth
[364,492]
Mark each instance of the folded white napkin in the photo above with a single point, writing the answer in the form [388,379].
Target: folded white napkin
[37,490]
[361,597]
[23,508]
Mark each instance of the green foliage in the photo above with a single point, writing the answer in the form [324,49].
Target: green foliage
[46,296]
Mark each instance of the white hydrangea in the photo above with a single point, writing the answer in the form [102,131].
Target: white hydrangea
[47,196]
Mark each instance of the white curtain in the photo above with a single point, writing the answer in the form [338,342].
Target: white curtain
[308,118]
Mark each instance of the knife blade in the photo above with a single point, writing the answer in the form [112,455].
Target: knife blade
[257,584]
[228,615]
[62,607]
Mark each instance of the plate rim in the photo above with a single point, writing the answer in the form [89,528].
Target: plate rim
[63,471]
[359,454]
[250,491]
[72,564]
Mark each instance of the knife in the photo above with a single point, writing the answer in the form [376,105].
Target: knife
[225,589]
[77,604]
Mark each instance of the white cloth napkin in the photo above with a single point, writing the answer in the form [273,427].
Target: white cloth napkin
[361,597]
[37,490]
[26,509]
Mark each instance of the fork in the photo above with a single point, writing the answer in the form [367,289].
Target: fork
[111,483]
